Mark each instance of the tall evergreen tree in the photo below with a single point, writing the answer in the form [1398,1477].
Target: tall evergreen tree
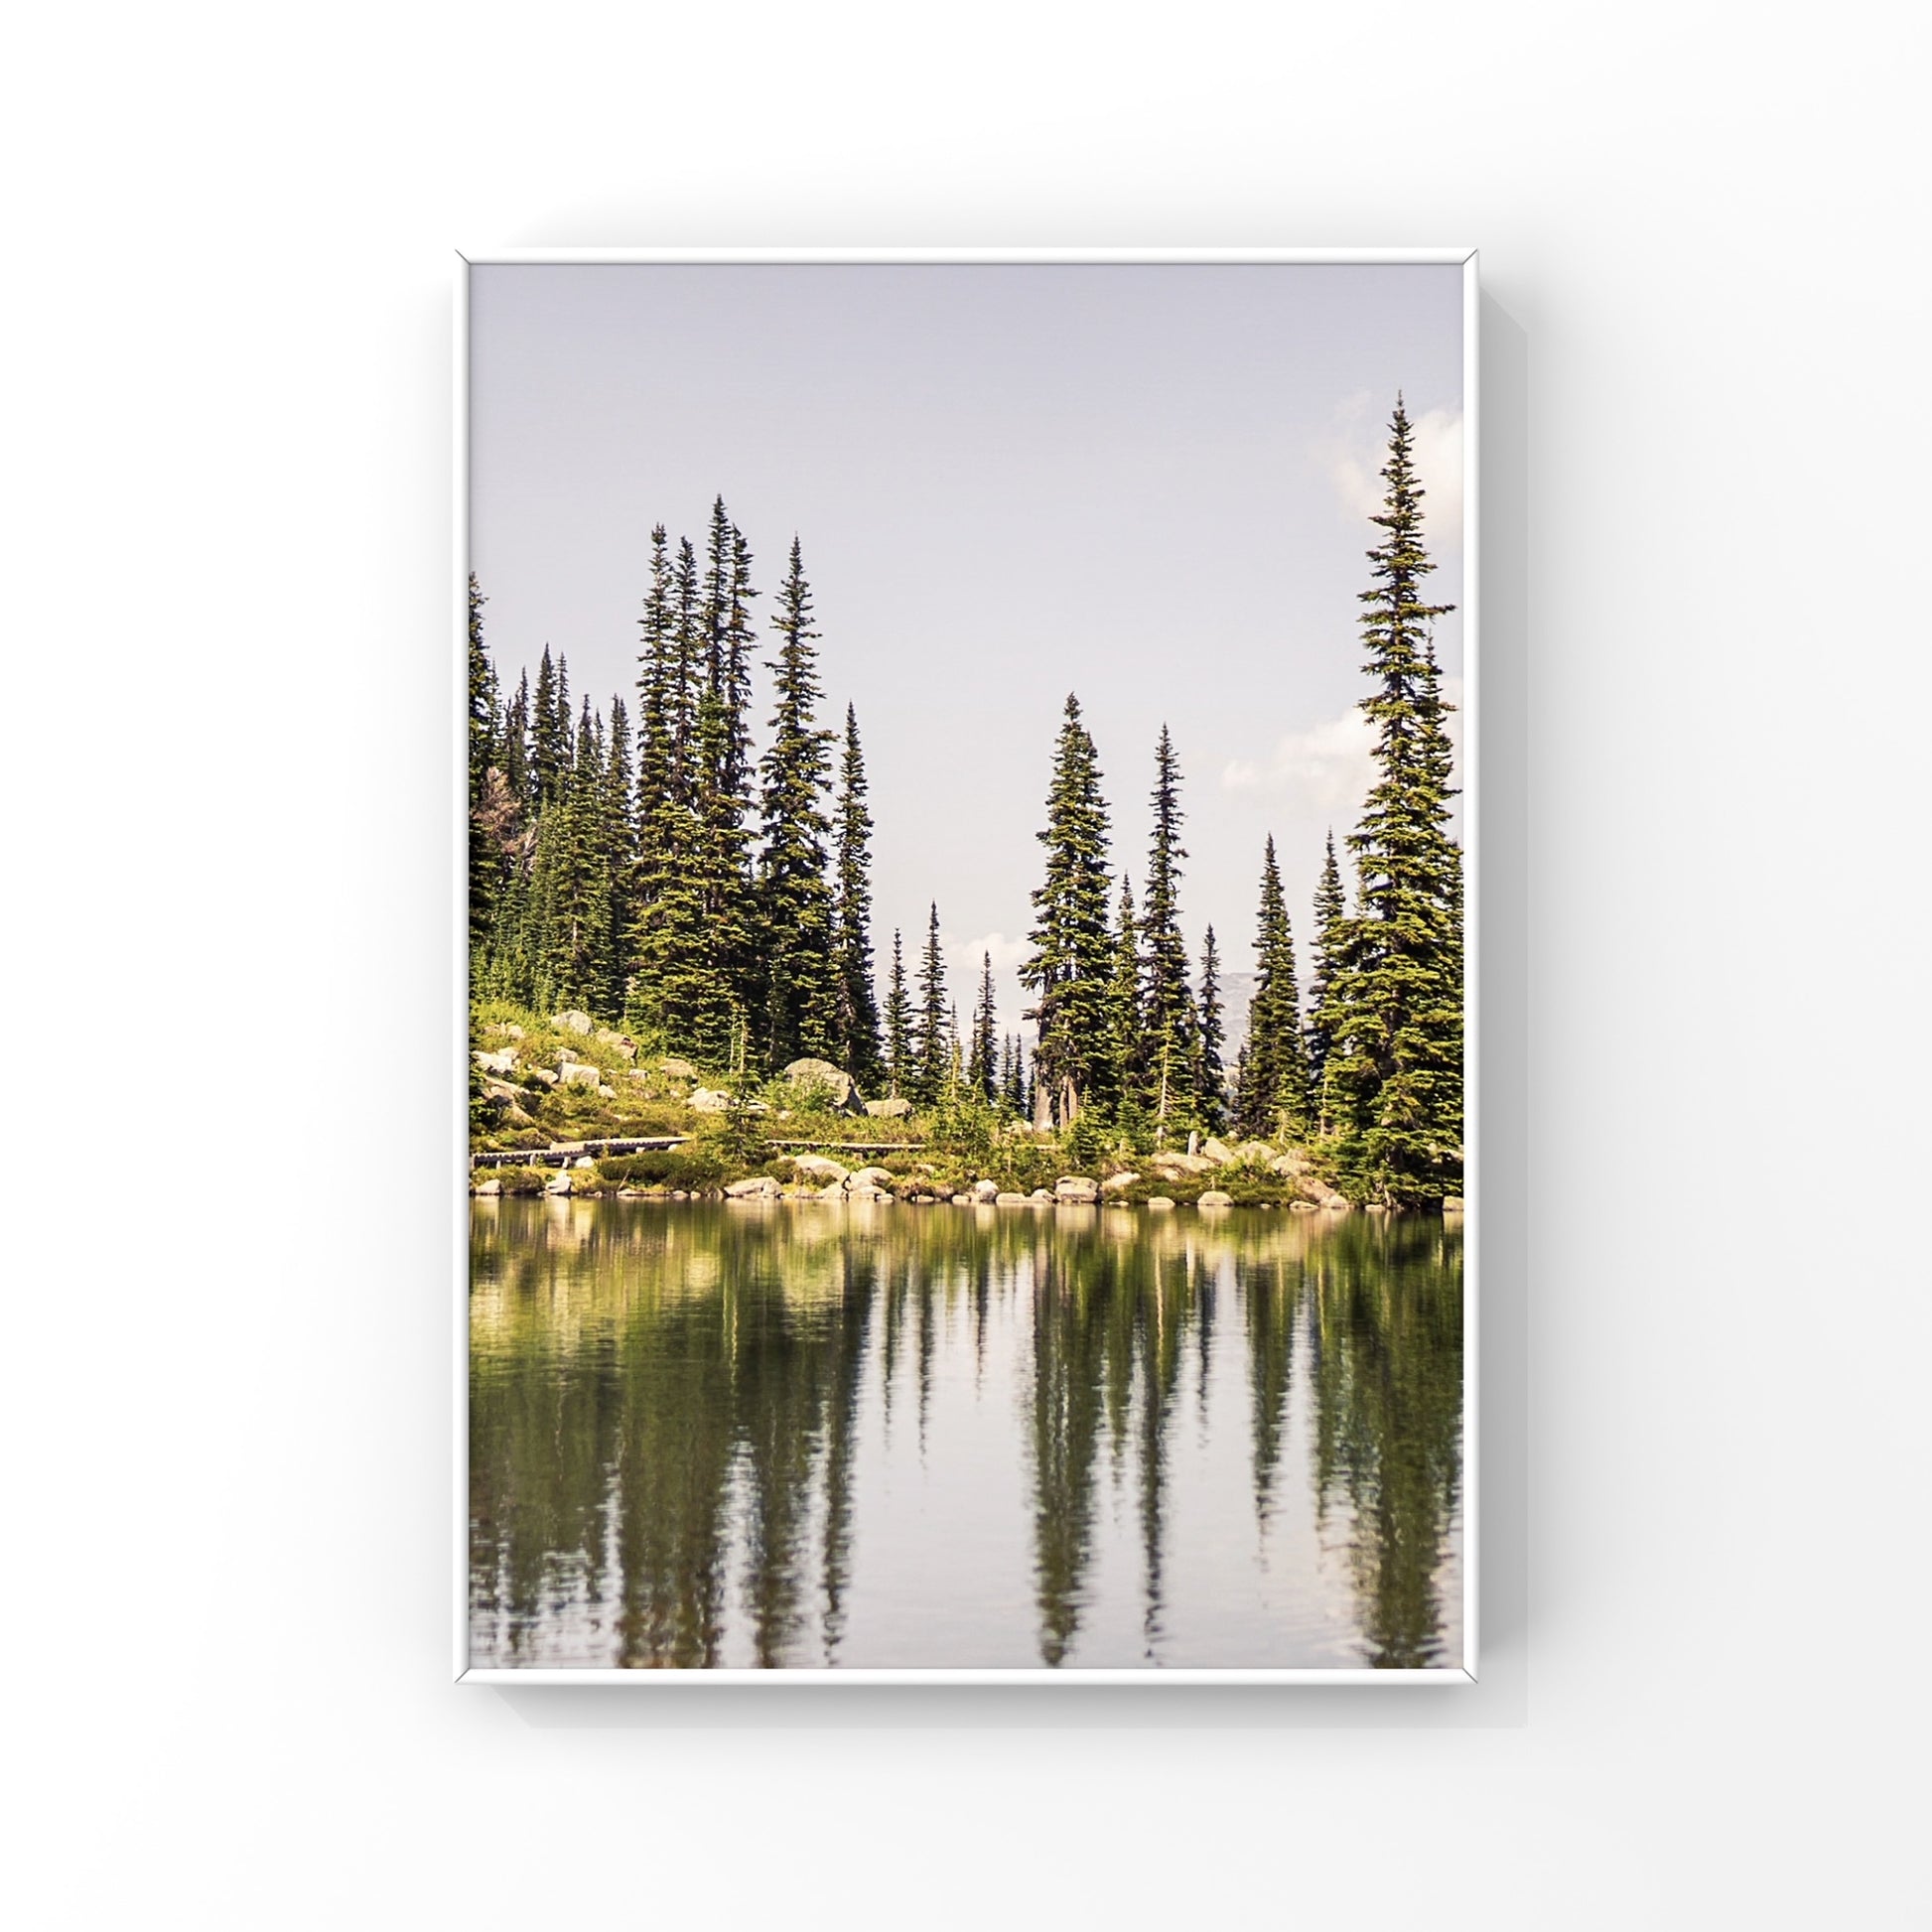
[1169,1020]
[932,1041]
[1272,1098]
[692,945]
[983,1061]
[899,1071]
[1012,1089]
[550,744]
[1211,1075]
[486,855]
[662,694]
[617,837]
[857,1004]
[1397,1066]
[516,743]
[795,907]
[1071,964]
[1126,1016]
[687,674]
[572,876]
[1325,990]
[696,959]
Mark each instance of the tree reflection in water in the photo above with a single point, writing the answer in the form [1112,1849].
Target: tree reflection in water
[673,1407]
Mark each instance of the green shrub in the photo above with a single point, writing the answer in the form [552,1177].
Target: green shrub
[693,1167]
[521,1181]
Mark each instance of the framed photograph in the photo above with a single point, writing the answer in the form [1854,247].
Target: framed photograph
[965,957]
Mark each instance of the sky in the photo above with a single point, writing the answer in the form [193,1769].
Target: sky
[1147,485]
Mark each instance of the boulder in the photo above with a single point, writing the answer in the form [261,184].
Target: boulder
[559,1184]
[574,1021]
[489,1186]
[1376,1206]
[1160,1203]
[574,1073]
[1292,1163]
[1041,1194]
[618,1042]
[1215,1198]
[867,1192]
[832,1190]
[962,1200]
[1010,1200]
[986,1190]
[1312,1188]
[1177,1164]
[821,1166]
[508,1095]
[707,1100]
[584,1161]
[836,1085]
[892,1109]
[675,1069]
[1452,1203]
[511,1029]
[1076,1188]
[760,1187]
[544,1074]
[504,1062]
[868,1177]
[1218,1152]
[1115,1182]
[1253,1153]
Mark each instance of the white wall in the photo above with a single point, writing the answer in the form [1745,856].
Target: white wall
[225,1408]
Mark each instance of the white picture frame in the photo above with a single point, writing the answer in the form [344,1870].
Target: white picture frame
[678,1682]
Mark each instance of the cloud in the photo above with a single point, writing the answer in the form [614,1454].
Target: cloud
[1329,766]
[964,958]
[1354,447]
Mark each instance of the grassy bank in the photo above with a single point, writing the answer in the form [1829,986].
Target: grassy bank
[541,1081]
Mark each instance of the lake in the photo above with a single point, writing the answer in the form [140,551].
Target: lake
[930,1437]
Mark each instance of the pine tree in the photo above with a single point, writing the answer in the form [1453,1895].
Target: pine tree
[1072,959]
[1396,1066]
[485,856]
[857,1004]
[687,672]
[983,1062]
[898,1026]
[1272,1098]
[795,910]
[1210,1076]
[1324,1015]
[1169,1021]
[572,879]
[662,694]
[619,840]
[1011,1092]
[551,749]
[932,1046]
[669,991]
[515,743]
[1125,1017]
[695,954]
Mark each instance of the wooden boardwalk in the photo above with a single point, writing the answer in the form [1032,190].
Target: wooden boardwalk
[564,1154]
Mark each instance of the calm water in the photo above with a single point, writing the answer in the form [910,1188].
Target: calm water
[945,1437]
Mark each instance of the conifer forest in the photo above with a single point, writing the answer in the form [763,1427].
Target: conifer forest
[681,872]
